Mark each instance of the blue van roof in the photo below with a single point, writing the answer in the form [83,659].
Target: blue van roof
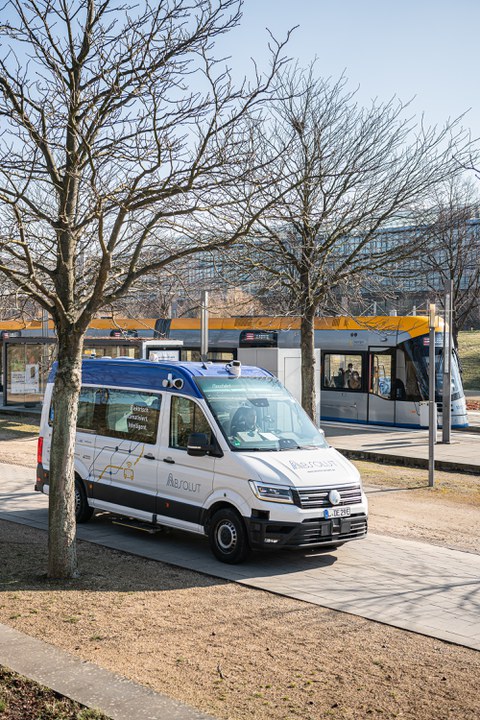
[146,374]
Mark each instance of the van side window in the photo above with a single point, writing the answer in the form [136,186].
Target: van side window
[131,415]
[125,414]
[87,404]
[186,417]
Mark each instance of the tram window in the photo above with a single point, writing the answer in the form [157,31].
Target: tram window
[212,355]
[113,351]
[406,386]
[381,375]
[342,372]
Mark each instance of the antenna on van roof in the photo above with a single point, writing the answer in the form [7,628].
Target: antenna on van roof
[205,362]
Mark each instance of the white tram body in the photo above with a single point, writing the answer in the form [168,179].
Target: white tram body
[371,369]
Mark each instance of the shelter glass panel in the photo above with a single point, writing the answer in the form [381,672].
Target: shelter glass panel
[26,373]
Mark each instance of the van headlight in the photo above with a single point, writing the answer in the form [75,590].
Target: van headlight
[271,493]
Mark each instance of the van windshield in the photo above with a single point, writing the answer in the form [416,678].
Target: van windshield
[259,414]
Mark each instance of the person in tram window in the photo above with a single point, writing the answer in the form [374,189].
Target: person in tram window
[340,378]
[348,374]
[399,392]
[354,383]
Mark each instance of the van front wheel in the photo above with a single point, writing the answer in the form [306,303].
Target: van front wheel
[227,536]
[83,511]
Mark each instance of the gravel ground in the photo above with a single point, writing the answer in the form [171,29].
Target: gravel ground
[239,653]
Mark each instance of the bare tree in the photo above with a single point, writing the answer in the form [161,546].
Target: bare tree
[15,305]
[451,229]
[349,171]
[124,148]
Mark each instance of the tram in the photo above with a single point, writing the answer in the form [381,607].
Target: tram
[373,369]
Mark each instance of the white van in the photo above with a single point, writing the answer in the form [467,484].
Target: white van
[219,450]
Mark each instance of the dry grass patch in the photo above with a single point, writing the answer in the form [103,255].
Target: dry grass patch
[16,427]
[229,650]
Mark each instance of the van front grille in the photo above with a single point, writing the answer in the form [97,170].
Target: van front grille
[318,497]
[317,532]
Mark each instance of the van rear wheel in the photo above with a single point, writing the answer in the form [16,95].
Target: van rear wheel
[83,511]
[228,537]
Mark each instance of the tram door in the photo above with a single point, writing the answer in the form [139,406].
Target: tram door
[381,405]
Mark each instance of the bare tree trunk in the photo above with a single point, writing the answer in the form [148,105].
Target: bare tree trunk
[307,330]
[62,555]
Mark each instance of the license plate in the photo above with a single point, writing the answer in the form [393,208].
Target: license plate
[336,512]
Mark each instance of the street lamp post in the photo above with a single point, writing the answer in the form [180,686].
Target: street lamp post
[204,326]
[447,368]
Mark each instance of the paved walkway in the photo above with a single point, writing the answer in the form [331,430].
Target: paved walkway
[406,447]
[411,585]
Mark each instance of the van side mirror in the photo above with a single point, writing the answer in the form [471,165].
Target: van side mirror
[198,444]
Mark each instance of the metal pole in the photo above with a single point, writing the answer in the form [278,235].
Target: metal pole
[4,370]
[43,370]
[44,323]
[204,326]
[432,415]
[447,365]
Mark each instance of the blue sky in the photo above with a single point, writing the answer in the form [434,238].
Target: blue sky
[424,48]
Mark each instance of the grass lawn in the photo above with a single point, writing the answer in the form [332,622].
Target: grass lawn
[469,351]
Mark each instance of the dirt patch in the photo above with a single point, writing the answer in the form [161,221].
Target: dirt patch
[239,653]
[19,452]
[22,699]
[402,505]
[18,439]
[228,650]
[19,426]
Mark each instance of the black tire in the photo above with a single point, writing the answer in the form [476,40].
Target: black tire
[228,537]
[83,511]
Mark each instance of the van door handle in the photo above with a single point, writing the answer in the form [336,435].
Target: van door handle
[149,456]
[169,460]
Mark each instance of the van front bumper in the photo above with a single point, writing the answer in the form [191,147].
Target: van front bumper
[264,534]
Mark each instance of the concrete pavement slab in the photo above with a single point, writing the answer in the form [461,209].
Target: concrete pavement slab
[408,584]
